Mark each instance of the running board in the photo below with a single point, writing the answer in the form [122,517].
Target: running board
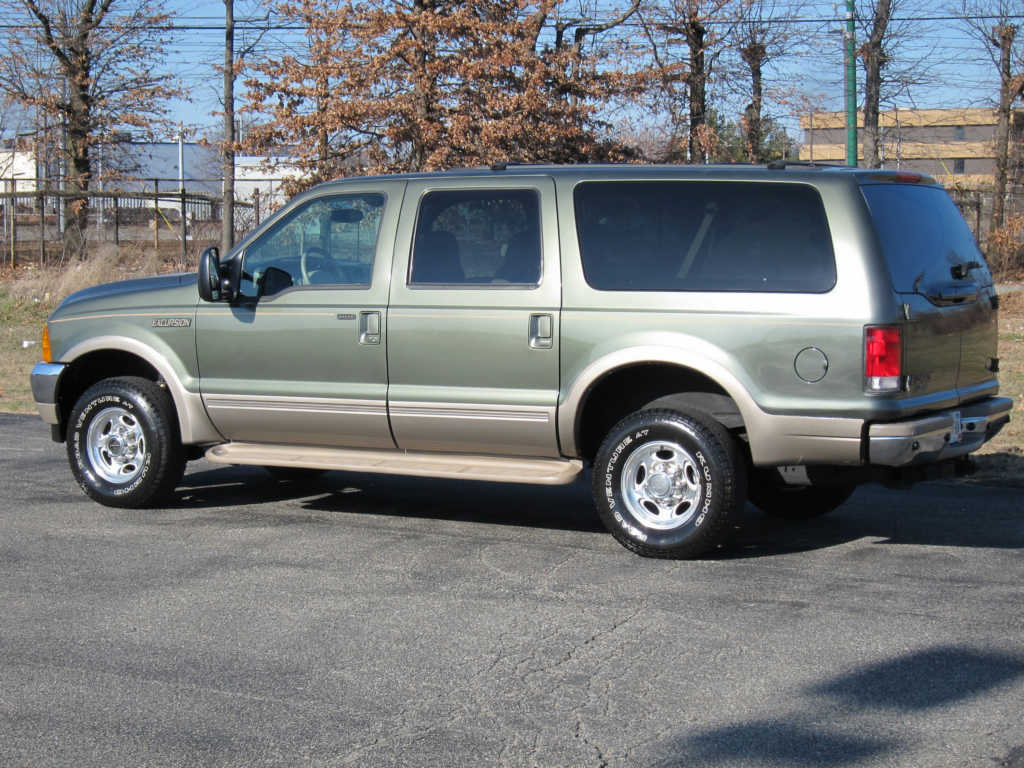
[497,469]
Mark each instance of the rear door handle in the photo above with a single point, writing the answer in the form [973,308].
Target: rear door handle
[541,331]
[369,327]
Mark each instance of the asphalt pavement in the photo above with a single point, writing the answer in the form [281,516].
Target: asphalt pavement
[374,621]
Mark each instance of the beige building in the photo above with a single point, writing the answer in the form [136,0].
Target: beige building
[954,145]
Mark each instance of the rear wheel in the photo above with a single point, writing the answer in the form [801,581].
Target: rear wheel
[669,483]
[799,502]
[123,442]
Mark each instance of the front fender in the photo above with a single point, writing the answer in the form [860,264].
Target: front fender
[195,425]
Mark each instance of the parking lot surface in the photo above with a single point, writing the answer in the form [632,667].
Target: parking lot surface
[379,621]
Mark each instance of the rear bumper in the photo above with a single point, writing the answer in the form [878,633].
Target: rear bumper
[931,438]
[45,377]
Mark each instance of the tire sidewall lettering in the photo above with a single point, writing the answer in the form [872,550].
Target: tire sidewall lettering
[80,429]
[609,493]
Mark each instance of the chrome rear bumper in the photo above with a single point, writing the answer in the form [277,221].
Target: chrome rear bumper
[935,437]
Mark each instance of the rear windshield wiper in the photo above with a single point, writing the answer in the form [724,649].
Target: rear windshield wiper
[959,271]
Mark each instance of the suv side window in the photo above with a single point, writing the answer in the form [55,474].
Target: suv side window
[327,241]
[704,236]
[477,237]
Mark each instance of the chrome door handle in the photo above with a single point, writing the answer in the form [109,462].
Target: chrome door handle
[541,331]
[369,327]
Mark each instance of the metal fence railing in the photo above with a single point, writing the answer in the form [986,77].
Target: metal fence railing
[33,218]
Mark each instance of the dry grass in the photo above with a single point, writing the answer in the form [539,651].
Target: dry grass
[1002,458]
[29,294]
[106,263]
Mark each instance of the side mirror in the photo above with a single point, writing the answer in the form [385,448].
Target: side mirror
[209,275]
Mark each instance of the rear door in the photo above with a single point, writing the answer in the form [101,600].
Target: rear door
[945,287]
[473,317]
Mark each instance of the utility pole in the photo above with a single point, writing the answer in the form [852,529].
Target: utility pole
[227,238]
[851,86]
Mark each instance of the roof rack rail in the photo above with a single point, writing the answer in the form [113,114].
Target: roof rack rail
[507,163]
[780,165]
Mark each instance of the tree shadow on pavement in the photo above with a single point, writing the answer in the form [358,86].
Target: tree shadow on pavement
[922,680]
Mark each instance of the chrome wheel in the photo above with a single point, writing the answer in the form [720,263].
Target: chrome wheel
[116,445]
[662,485]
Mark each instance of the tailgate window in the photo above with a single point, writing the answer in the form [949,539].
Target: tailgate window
[923,236]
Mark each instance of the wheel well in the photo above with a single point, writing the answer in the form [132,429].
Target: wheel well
[92,367]
[625,390]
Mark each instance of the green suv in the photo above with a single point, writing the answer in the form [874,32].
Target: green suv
[697,335]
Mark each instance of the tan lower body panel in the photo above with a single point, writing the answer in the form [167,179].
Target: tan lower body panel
[500,469]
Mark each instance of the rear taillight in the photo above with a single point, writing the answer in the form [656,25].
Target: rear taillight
[883,358]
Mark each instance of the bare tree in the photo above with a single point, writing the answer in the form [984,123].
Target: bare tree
[875,58]
[991,22]
[766,32]
[91,67]
[687,39]
[893,62]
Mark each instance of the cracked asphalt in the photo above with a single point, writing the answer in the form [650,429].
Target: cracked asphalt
[370,621]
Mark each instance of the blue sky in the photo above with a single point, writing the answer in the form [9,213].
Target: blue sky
[957,73]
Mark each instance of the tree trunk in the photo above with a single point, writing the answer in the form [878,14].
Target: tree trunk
[227,237]
[874,62]
[79,171]
[695,39]
[1004,35]
[754,56]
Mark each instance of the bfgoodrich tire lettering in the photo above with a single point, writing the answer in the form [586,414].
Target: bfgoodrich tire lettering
[668,483]
[123,442]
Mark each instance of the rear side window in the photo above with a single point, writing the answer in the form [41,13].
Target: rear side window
[477,237]
[923,235]
[704,236]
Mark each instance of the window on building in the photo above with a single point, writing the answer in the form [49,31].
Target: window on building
[958,133]
[958,165]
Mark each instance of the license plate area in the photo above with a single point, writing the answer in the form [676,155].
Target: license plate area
[956,434]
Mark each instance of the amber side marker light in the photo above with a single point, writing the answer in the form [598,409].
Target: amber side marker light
[47,353]
[883,358]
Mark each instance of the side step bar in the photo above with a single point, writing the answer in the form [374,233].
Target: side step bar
[498,469]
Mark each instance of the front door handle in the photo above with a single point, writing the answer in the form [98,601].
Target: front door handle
[541,331]
[369,327]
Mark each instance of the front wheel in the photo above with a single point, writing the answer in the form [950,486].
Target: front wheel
[669,483]
[123,443]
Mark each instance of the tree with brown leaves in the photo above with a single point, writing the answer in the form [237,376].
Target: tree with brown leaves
[428,84]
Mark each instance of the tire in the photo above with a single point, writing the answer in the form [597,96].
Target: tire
[685,508]
[801,502]
[294,474]
[123,443]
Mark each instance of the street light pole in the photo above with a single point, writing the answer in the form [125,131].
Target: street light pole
[851,87]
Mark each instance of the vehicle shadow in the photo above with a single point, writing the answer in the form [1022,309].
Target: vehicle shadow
[342,493]
[939,514]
